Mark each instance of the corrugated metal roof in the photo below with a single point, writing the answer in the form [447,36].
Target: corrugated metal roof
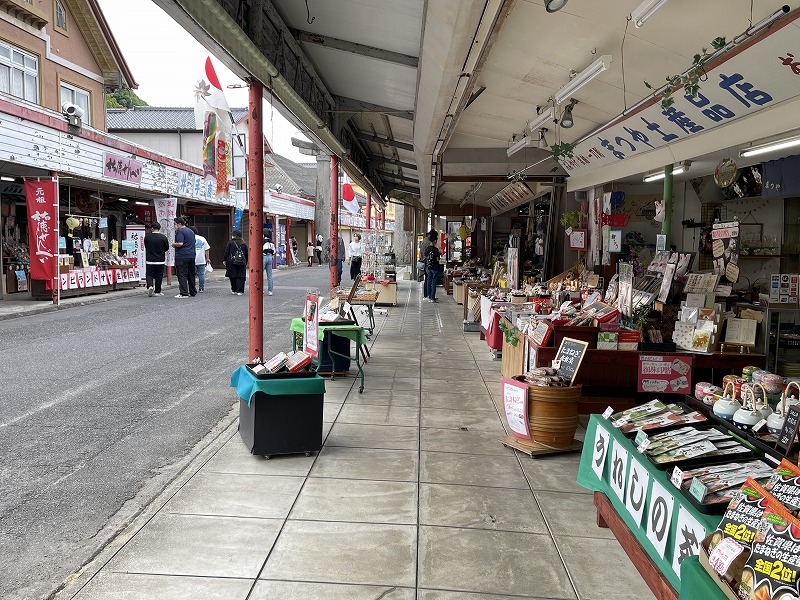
[157,118]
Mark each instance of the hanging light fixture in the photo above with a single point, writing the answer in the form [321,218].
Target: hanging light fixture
[645,10]
[552,6]
[542,143]
[782,144]
[677,169]
[582,78]
[566,118]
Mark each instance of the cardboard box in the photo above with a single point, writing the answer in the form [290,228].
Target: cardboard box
[607,340]
[723,585]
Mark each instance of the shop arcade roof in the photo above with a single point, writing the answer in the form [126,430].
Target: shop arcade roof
[422,98]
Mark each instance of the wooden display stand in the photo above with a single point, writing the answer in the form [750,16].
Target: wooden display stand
[533,448]
[387,294]
[513,356]
[458,292]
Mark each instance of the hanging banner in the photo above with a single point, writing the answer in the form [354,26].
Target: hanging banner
[311,334]
[42,202]
[166,211]
[135,237]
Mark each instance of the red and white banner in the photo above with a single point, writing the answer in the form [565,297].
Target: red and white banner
[311,334]
[42,202]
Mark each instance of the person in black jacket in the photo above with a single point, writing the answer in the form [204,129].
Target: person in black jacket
[236,272]
[156,245]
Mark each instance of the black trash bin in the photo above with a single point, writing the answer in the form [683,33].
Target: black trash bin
[280,413]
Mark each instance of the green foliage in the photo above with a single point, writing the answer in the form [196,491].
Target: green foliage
[564,149]
[571,218]
[509,332]
[691,79]
[123,98]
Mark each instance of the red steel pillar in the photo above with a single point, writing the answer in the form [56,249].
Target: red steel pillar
[369,211]
[289,255]
[334,251]
[255,176]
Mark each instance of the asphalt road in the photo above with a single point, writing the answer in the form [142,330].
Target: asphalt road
[101,404]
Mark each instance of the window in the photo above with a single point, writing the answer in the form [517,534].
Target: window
[61,16]
[19,73]
[74,95]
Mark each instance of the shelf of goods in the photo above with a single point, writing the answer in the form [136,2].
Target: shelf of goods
[387,291]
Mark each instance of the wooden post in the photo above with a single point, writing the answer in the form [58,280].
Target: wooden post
[334,250]
[255,175]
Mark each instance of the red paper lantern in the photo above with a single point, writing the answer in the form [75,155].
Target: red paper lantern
[347,192]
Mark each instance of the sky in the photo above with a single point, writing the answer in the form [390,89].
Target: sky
[167,62]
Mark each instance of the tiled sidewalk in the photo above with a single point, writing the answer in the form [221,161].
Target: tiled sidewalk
[411,497]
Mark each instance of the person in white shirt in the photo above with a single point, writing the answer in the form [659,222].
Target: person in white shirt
[356,252]
[269,256]
[201,258]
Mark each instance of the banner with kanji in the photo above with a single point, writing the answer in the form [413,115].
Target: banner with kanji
[42,201]
[213,115]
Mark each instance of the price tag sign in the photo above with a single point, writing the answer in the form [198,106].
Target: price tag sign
[569,356]
[788,432]
[641,436]
[677,477]
[643,446]
[724,554]
[697,490]
[757,427]
[619,422]
[608,412]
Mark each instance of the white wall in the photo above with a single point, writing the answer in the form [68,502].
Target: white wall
[186,146]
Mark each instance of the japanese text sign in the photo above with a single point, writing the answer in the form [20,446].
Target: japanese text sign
[311,334]
[665,374]
[515,402]
[569,356]
[42,203]
[122,168]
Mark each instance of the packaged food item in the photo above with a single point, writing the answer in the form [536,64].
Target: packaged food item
[771,569]
[785,485]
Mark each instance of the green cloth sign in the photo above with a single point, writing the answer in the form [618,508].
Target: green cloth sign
[247,385]
[354,332]
[665,523]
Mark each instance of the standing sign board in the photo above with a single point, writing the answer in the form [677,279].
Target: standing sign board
[788,432]
[311,334]
[569,357]
[515,402]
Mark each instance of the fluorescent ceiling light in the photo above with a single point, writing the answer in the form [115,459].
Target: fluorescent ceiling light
[770,147]
[645,10]
[677,169]
[582,78]
[122,199]
[541,119]
[142,203]
[516,147]
[6,178]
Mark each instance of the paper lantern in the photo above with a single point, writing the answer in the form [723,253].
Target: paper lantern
[72,223]
[347,192]
[463,232]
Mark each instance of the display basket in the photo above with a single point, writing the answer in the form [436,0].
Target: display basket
[361,295]
[553,414]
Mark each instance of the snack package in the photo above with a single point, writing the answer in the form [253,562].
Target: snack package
[739,524]
[785,486]
[771,570]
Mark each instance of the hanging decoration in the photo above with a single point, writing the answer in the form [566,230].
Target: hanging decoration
[725,173]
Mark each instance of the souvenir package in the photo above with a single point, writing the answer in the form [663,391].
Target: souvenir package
[277,362]
[675,415]
[770,572]
[636,413]
[297,361]
[688,435]
[784,484]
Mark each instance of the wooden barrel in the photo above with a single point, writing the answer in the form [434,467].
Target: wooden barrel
[553,414]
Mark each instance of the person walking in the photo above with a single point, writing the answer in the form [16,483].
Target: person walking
[318,248]
[431,258]
[293,245]
[356,253]
[156,246]
[184,258]
[310,252]
[235,262]
[340,261]
[201,258]
[269,256]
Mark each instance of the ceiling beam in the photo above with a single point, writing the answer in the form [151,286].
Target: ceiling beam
[351,105]
[390,161]
[354,48]
[494,178]
[384,141]
[397,176]
[404,188]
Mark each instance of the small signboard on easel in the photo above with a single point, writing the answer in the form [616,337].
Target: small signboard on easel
[569,358]
[788,433]
[515,403]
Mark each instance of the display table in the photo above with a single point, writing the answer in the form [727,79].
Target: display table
[612,511]
[387,292]
[280,415]
[351,332]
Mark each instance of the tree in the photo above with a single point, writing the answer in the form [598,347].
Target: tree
[123,98]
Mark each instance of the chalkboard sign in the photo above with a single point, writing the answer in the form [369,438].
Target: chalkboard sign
[788,432]
[569,357]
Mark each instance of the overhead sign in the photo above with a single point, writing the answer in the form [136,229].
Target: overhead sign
[743,83]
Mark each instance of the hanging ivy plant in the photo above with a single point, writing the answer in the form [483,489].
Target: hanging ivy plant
[564,149]
[509,333]
[571,219]
[691,79]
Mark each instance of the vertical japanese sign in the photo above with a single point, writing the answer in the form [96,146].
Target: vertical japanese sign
[135,235]
[515,402]
[311,334]
[42,202]
[166,211]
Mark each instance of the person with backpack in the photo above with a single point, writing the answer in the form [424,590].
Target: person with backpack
[235,261]
[431,257]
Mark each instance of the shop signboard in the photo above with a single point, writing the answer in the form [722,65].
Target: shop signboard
[165,214]
[744,82]
[311,333]
[665,374]
[515,403]
[135,237]
[42,204]
[122,168]
[569,357]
